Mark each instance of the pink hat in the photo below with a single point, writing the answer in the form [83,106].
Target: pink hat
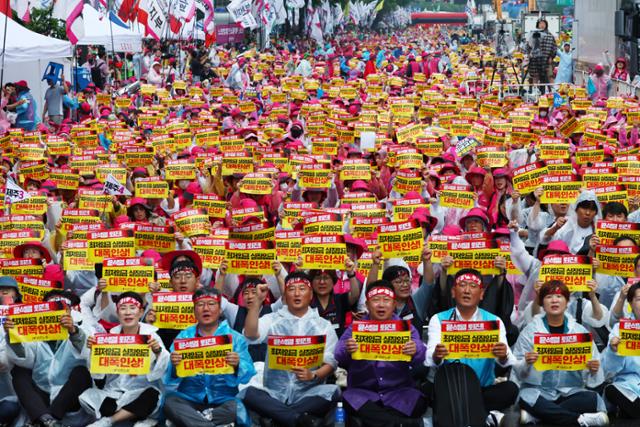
[359,185]
[248,203]
[423,215]
[153,254]
[451,230]
[476,213]
[475,170]
[502,172]
[598,67]
[554,246]
[120,219]
[54,273]
[360,244]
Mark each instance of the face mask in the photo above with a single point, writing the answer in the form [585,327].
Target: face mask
[183,184]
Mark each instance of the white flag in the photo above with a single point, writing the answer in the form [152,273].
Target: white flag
[153,14]
[14,193]
[316,28]
[70,11]
[113,187]
[240,11]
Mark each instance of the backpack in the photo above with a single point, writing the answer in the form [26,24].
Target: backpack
[457,397]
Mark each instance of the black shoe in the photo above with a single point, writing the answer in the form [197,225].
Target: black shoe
[308,420]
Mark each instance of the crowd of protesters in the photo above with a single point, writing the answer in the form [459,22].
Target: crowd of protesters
[298,107]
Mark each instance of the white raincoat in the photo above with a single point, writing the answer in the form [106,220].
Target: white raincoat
[127,388]
[283,385]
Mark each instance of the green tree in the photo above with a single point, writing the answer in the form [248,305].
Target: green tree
[43,23]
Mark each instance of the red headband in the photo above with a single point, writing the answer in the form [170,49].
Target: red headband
[469,278]
[129,300]
[297,281]
[555,291]
[206,296]
[379,290]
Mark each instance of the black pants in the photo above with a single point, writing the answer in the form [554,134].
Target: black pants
[628,409]
[565,410]
[499,397]
[37,403]
[141,408]
[375,414]
[283,414]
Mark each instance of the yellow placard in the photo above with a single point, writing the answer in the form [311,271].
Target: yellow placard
[323,252]
[37,322]
[192,222]
[616,260]
[127,274]
[174,310]
[204,355]
[120,354]
[111,244]
[381,340]
[250,257]
[470,340]
[477,254]
[629,337]
[573,270]
[562,352]
[287,352]
[457,196]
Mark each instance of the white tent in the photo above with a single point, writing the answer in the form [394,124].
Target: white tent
[24,45]
[97,31]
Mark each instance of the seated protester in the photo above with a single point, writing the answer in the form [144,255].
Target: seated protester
[576,229]
[231,284]
[608,286]
[557,397]
[9,407]
[128,397]
[382,393]
[624,390]
[619,308]
[467,293]
[583,310]
[409,305]
[331,306]
[190,398]
[48,376]
[298,397]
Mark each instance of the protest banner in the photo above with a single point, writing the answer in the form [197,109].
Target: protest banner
[34,205]
[95,199]
[75,256]
[156,237]
[37,322]
[203,355]
[76,216]
[573,270]
[323,252]
[180,169]
[238,162]
[212,203]
[365,262]
[119,354]
[492,157]
[562,352]
[470,340]
[616,260]
[457,196]
[211,250]
[612,193]
[600,177]
[404,208]
[288,245]
[477,254]
[250,257]
[381,340]
[399,239]
[111,244]
[21,267]
[65,179]
[560,189]
[323,224]
[439,246]
[529,177]
[151,188]
[553,148]
[256,183]
[9,239]
[287,352]
[629,337]
[353,169]
[353,197]
[127,274]
[608,231]
[366,227]
[316,175]
[33,289]
[589,154]
[174,310]
[366,210]
[192,222]
[258,231]
[505,251]
[406,181]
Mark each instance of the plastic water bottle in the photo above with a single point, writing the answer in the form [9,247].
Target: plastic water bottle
[340,416]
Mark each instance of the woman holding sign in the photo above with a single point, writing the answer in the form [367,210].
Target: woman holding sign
[557,359]
[620,359]
[126,396]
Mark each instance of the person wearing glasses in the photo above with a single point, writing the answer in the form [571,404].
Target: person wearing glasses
[203,399]
[467,292]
